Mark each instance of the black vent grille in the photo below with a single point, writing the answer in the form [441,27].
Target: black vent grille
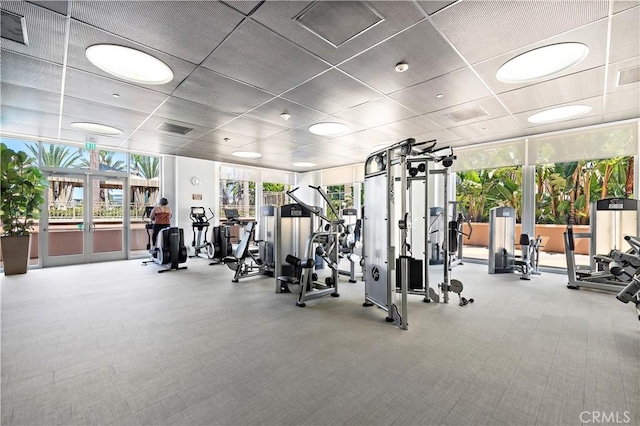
[174,128]
[14,28]
[628,76]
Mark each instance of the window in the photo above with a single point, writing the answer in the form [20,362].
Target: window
[240,195]
[275,194]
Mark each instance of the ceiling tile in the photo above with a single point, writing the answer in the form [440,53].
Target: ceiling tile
[553,92]
[80,110]
[456,88]
[490,105]
[209,88]
[493,28]
[192,112]
[30,99]
[28,122]
[243,6]
[625,35]
[594,102]
[487,128]
[190,30]
[242,56]
[623,100]
[332,92]
[254,128]
[272,110]
[153,123]
[613,77]
[82,36]
[30,72]
[376,67]
[375,113]
[45,32]
[218,137]
[277,15]
[432,6]
[593,35]
[94,88]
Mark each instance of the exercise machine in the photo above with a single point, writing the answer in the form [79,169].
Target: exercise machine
[613,224]
[245,261]
[528,262]
[454,228]
[323,244]
[631,293]
[398,172]
[169,250]
[200,227]
[351,244]
[502,230]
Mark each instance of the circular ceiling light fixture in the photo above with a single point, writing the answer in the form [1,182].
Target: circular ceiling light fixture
[328,129]
[559,114]
[303,164]
[402,66]
[98,129]
[129,64]
[246,154]
[542,62]
[439,95]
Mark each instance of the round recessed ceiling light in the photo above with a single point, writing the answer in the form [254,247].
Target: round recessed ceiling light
[327,129]
[246,154]
[303,164]
[129,64]
[99,129]
[559,114]
[542,62]
[439,95]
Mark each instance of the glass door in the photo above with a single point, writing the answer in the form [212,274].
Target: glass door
[84,219]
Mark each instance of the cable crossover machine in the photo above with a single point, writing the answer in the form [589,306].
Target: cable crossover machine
[399,171]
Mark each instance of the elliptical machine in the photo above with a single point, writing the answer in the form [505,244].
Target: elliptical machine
[169,248]
[200,226]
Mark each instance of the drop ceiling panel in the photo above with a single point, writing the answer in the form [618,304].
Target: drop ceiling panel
[332,92]
[407,128]
[362,139]
[146,138]
[623,100]
[456,88]
[379,112]
[31,99]
[594,102]
[593,35]
[591,120]
[243,6]
[61,6]
[45,32]
[376,67]
[490,105]
[82,36]
[30,72]
[613,78]
[582,85]
[95,88]
[487,128]
[254,128]
[28,122]
[272,110]
[620,5]
[625,35]
[212,89]
[444,137]
[278,15]
[218,137]
[188,30]
[296,138]
[471,25]
[211,147]
[259,57]
[192,112]
[622,115]
[433,6]
[79,110]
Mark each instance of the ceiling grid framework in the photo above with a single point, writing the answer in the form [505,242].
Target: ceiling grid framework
[238,65]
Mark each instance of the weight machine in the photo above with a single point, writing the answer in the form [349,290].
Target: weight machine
[393,171]
[169,250]
[351,244]
[322,243]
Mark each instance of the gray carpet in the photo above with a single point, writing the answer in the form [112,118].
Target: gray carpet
[117,343]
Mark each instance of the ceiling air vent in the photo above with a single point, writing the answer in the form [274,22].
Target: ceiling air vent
[337,22]
[174,128]
[628,76]
[466,114]
[14,27]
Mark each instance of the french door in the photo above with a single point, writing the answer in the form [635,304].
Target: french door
[85,220]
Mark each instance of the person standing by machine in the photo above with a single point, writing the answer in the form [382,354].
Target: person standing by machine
[161,218]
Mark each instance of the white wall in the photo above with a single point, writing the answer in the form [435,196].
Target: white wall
[168,187]
[206,171]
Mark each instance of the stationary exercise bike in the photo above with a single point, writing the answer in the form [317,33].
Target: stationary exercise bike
[169,248]
[200,227]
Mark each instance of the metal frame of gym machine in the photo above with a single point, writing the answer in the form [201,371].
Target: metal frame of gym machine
[379,249]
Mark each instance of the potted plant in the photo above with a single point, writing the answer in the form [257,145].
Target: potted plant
[22,188]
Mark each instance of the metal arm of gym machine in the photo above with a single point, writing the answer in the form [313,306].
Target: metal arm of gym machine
[312,209]
[326,198]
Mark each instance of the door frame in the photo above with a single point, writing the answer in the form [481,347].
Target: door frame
[87,255]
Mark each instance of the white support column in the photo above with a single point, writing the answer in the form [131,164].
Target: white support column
[528,203]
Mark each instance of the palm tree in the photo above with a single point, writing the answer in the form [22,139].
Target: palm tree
[57,155]
[147,167]
[105,158]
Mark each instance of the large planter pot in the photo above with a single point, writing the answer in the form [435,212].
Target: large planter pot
[15,254]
